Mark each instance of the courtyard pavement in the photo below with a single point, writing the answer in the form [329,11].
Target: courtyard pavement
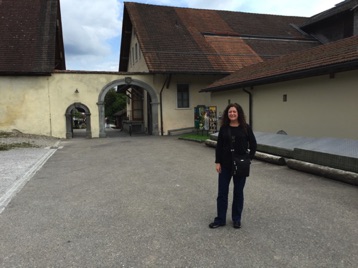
[146,201]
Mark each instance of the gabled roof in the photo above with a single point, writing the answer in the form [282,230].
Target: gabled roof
[339,9]
[185,40]
[333,57]
[31,37]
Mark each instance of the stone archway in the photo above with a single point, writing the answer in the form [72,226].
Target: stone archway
[128,81]
[69,117]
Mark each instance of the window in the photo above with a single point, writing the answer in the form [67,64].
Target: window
[137,104]
[132,56]
[183,95]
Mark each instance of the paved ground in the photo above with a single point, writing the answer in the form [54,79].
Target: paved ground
[147,201]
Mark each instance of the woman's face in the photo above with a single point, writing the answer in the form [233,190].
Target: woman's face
[233,114]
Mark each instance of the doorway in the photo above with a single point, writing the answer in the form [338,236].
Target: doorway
[78,121]
[152,104]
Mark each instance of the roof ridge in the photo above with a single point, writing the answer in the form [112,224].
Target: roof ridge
[218,10]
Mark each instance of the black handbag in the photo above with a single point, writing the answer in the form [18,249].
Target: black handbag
[240,163]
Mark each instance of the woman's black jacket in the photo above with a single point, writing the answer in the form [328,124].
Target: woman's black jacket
[244,139]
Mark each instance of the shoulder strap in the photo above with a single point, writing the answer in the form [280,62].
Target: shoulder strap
[232,141]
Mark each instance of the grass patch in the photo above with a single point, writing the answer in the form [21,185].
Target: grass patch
[6,147]
[194,137]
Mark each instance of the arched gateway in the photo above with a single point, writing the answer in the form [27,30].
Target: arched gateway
[129,82]
[69,119]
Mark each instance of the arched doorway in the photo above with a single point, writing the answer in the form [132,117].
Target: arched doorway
[78,116]
[153,104]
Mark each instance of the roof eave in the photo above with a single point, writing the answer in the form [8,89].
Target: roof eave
[60,40]
[127,29]
[10,73]
[329,69]
[189,72]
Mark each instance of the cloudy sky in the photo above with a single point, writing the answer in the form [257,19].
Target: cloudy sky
[92,28]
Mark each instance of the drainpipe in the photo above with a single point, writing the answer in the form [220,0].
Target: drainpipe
[250,106]
[166,82]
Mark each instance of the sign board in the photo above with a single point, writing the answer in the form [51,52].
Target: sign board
[205,118]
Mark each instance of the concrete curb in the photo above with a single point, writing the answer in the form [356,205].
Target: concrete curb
[278,160]
[210,143]
[331,173]
[324,171]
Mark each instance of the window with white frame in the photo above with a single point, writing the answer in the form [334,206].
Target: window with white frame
[183,96]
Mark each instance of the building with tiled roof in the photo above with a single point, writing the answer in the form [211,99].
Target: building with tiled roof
[291,74]
[231,55]
[197,41]
[31,40]
[330,58]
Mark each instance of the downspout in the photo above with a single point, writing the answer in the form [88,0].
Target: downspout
[166,82]
[250,106]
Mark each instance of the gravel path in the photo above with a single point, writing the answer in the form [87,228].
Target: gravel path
[17,137]
[25,156]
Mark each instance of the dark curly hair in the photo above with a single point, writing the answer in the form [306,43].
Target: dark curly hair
[242,118]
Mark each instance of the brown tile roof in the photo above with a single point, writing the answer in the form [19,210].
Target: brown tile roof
[324,59]
[31,37]
[184,40]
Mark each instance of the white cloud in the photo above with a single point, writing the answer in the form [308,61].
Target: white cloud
[278,7]
[232,5]
[304,8]
[88,27]
[92,28]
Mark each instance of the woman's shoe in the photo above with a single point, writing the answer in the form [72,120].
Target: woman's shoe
[214,225]
[237,224]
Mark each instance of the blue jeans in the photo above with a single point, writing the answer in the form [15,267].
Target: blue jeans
[223,192]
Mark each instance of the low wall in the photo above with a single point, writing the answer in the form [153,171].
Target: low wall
[328,157]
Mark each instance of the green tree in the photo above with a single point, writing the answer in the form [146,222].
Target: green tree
[114,102]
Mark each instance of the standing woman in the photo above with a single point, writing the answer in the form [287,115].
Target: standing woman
[234,130]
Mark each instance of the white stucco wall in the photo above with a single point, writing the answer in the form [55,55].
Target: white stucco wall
[136,62]
[316,107]
[37,105]
[62,95]
[222,99]
[24,104]
[177,118]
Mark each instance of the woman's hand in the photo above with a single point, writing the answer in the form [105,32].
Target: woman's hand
[218,167]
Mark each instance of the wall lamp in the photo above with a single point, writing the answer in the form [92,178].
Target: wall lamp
[76,91]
